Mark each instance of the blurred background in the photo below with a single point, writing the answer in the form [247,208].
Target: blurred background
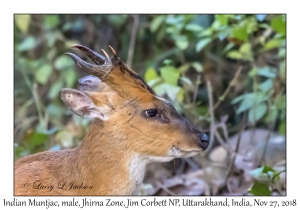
[225,73]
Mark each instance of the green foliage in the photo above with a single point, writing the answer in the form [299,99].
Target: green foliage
[265,177]
[177,54]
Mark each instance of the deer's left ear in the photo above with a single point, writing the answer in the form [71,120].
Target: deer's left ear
[83,103]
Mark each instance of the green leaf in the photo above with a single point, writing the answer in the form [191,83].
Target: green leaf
[260,189]
[54,90]
[207,32]
[36,139]
[240,33]
[202,43]
[197,66]
[194,27]
[29,43]
[257,112]
[271,44]
[229,46]
[63,62]
[156,22]
[187,81]
[279,25]
[222,19]
[150,74]
[50,21]
[159,89]
[172,91]
[260,17]
[234,54]
[180,95]
[282,128]
[238,99]
[221,98]
[182,42]
[170,75]
[23,22]
[272,114]
[117,20]
[253,72]
[55,111]
[247,103]
[266,85]
[154,82]
[70,77]
[174,19]
[43,73]
[267,72]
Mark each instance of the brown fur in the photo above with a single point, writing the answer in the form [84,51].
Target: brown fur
[103,161]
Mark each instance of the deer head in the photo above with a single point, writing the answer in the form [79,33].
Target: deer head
[121,100]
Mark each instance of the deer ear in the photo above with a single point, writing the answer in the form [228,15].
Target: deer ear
[81,103]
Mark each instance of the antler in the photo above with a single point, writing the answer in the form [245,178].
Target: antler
[104,67]
[104,64]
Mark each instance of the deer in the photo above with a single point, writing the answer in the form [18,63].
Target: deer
[131,128]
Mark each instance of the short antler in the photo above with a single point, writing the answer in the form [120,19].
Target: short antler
[104,64]
[113,66]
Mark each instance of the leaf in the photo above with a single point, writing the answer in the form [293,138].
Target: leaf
[182,42]
[206,32]
[154,82]
[272,114]
[54,90]
[260,17]
[267,72]
[229,46]
[238,99]
[50,21]
[222,19]
[240,33]
[172,91]
[234,54]
[116,20]
[43,73]
[202,43]
[159,89]
[23,22]
[170,75]
[63,62]
[174,19]
[246,104]
[260,189]
[156,22]
[29,43]
[253,72]
[279,25]
[35,139]
[150,74]
[197,66]
[188,82]
[282,128]
[271,44]
[222,35]
[70,77]
[266,85]
[194,27]
[180,95]
[257,112]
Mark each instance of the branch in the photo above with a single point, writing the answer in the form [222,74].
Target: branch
[132,39]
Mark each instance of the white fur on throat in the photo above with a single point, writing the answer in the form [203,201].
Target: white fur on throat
[138,163]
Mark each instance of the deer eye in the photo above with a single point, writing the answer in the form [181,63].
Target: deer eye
[151,112]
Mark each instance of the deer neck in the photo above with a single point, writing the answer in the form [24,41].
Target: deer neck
[107,165]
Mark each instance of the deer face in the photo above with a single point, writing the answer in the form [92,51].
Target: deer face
[145,123]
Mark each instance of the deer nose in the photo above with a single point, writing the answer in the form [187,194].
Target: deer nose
[204,141]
